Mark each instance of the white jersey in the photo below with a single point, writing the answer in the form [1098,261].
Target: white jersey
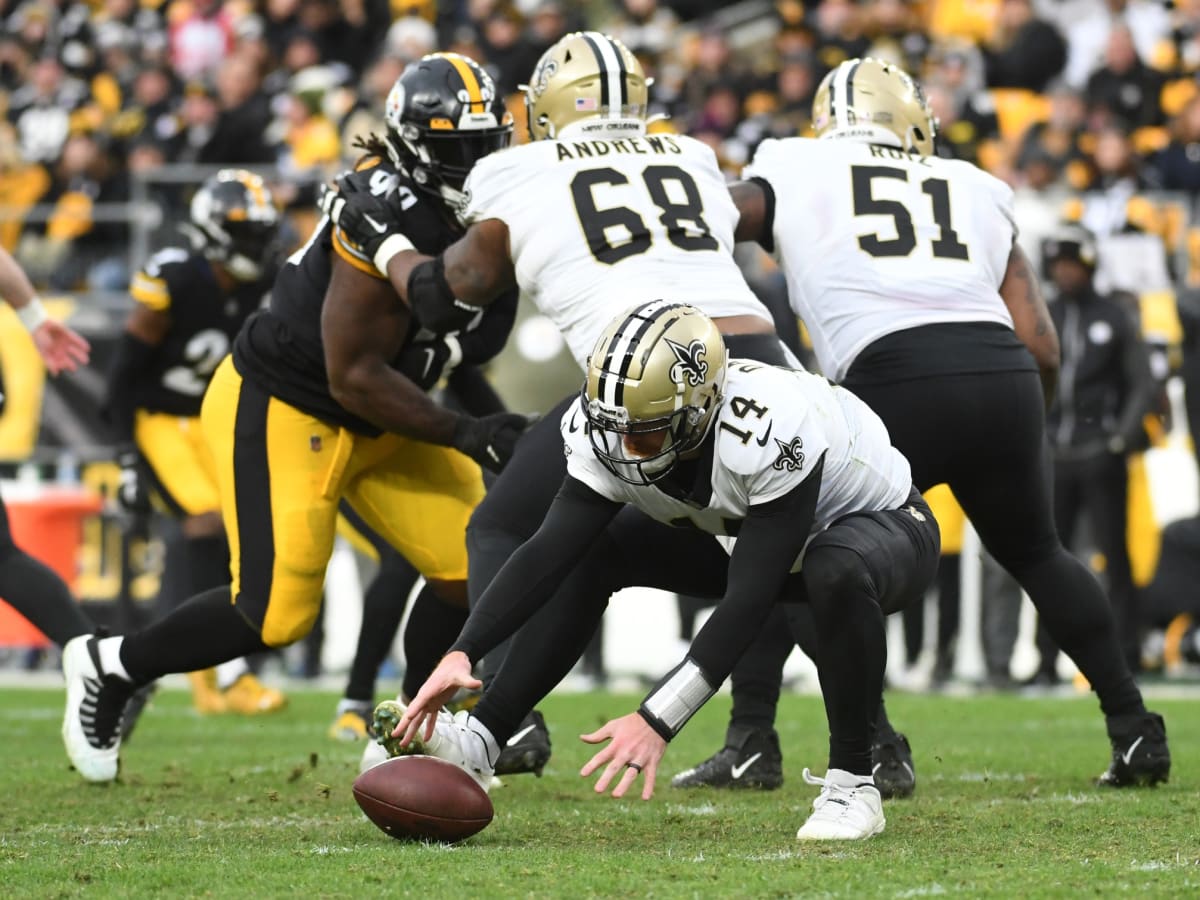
[772,428]
[873,240]
[597,226]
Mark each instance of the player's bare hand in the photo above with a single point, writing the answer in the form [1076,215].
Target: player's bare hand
[451,674]
[61,349]
[634,749]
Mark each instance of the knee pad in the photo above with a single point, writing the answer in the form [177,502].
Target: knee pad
[834,573]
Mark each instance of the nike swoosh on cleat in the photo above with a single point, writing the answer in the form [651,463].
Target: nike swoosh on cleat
[739,770]
[762,442]
[1128,754]
[516,738]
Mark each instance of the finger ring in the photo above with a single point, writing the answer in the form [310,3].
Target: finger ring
[633,766]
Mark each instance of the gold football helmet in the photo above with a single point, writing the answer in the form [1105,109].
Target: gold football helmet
[586,77]
[872,100]
[654,384]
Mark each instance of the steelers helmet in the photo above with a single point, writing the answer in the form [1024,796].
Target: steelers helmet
[1069,241]
[443,115]
[654,384]
[874,101]
[235,219]
[587,77]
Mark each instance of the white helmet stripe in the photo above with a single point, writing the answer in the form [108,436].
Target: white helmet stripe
[840,92]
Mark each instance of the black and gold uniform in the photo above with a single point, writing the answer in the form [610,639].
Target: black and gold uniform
[287,452]
[204,319]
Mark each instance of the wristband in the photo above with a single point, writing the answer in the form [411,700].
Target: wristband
[676,699]
[392,244]
[32,314]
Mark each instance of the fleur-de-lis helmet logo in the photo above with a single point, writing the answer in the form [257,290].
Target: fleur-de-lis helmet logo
[690,363]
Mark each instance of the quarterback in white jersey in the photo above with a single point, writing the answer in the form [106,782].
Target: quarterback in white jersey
[800,471]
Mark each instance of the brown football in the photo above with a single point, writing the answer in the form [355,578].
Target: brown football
[423,798]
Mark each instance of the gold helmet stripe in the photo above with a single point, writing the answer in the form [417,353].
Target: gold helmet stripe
[470,82]
[612,72]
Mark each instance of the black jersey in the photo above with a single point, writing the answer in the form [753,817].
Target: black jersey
[204,321]
[280,348]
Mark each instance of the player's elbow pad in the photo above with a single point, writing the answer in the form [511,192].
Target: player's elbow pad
[432,301]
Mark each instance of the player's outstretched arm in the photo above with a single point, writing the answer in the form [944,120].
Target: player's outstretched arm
[1022,294]
[523,586]
[448,291]
[363,327]
[769,542]
[61,349]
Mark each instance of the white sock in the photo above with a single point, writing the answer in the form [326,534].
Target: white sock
[491,745]
[110,657]
[229,672]
[347,705]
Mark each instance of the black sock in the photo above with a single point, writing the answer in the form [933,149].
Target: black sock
[432,627]
[43,598]
[193,565]
[205,631]
[851,656]
[1076,614]
[756,679]
[383,608]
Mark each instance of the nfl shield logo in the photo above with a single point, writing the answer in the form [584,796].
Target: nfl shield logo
[314,443]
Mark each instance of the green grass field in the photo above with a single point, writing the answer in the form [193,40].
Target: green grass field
[262,808]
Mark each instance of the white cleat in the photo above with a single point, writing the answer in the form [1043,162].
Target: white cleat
[91,727]
[373,755]
[848,808]
[453,740]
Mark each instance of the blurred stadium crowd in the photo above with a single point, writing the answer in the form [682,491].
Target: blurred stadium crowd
[115,109]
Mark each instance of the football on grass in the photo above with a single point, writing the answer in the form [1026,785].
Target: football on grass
[423,798]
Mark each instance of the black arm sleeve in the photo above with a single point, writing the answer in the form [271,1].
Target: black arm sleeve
[1139,383]
[485,340]
[432,301]
[766,240]
[770,540]
[530,577]
[131,359]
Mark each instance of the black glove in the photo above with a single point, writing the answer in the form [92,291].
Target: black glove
[426,362]
[363,218]
[490,440]
[133,495]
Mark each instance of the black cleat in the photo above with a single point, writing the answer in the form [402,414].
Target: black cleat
[1140,755]
[134,707]
[750,759]
[528,750]
[892,766]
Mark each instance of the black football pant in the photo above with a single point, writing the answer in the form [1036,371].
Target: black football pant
[517,503]
[984,435]
[864,566]
[1099,489]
